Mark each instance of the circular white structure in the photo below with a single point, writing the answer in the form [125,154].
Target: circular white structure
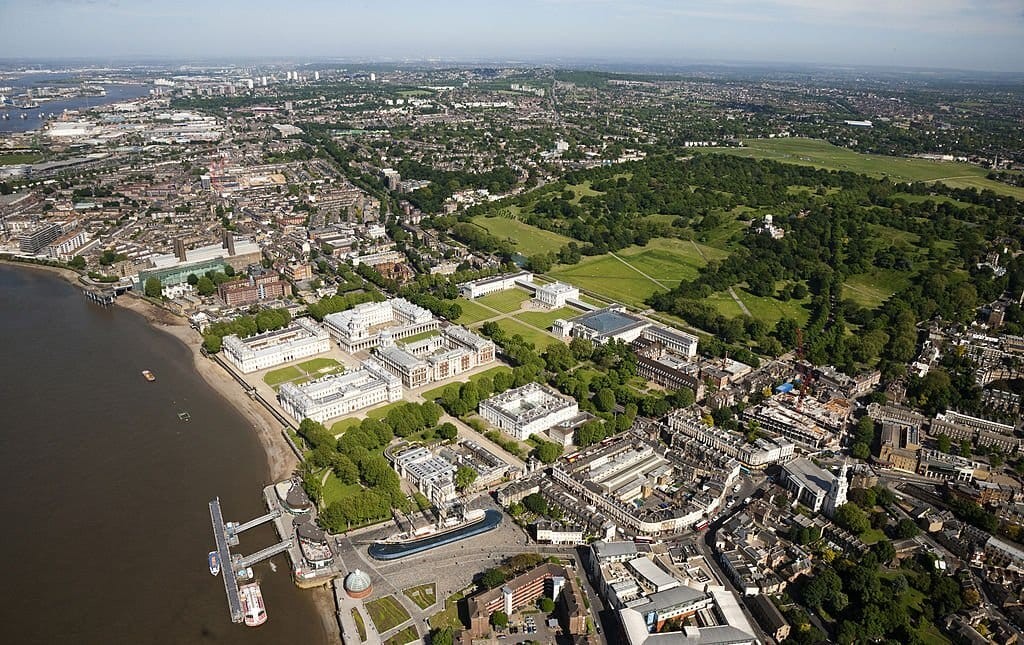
[358,584]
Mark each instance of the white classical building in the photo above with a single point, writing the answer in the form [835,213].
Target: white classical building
[530,409]
[555,294]
[300,339]
[677,341]
[340,394]
[817,489]
[454,351]
[434,476]
[357,328]
[484,286]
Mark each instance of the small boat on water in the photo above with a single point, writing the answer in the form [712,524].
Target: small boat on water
[214,563]
[184,416]
[252,604]
[148,375]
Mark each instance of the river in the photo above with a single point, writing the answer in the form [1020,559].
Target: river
[33,121]
[108,526]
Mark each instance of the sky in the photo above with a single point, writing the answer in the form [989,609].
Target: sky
[952,34]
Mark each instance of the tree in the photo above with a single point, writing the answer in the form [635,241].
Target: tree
[77,262]
[464,477]
[944,444]
[852,518]
[546,604]
[605,400]
[344,469]
[493,578]
[499,619]
[205,286]
[548,452]
[906,528]
[442,636]
[211,343]
[153,287]
[229,270]
[447,431]
[535,503]
[193,279]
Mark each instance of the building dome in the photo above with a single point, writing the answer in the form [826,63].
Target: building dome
[357,584]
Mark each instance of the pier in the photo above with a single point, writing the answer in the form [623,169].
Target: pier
[225,534]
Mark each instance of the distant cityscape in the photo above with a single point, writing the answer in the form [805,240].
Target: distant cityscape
[652,358]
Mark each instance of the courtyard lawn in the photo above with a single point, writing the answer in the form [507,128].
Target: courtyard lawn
[386,613]
[382,411]
[423,595]
[821,154]
[317,364]
[544,319]
[505,301]
[528,240]
[421,336]
[345,424]
[281,375]
[360,627]
[473,312]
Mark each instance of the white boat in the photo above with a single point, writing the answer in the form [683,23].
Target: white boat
[214,563]
[252,604]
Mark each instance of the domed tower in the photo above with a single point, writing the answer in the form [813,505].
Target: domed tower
[836,496]
[358,585]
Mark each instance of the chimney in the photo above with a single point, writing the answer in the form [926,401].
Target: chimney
[229,242]
[179,249]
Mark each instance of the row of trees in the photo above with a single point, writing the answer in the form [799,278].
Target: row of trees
[245,326]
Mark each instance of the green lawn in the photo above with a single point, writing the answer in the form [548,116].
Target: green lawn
[386,613]
[421,336]
[874,287]
[636,272]
[505,301]
[544,319]
[281,375]
[449,616]
[770,309]
[424,595]
[528,240]
[533,335]
[821,154]
[431,395]
[381,412]
[20,158]
[871,536]
[360,627]
[335,491]
[472,312]
[938,199]
[317,364]
[345,424]
[407,635]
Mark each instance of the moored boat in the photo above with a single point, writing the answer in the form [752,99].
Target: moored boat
[252,604]
[214,563]
[148,375]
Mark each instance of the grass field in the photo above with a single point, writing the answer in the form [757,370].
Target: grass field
[543,319]
[436,393]
[533,335]
[939,199]
[424,595]
[407,635]
[345,424]
[770,309]
[421,336]
[472,312]
[505,301]
[317,365]
[302,372]
[335,491]
[449,616]
[20,158]
[873,288]
[636,272]
[529,240]
[279,376]
[386,613]
[360,627]
[821,154]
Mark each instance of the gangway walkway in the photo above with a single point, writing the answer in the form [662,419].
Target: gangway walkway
[263,554]
[245,526]
[224,554]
